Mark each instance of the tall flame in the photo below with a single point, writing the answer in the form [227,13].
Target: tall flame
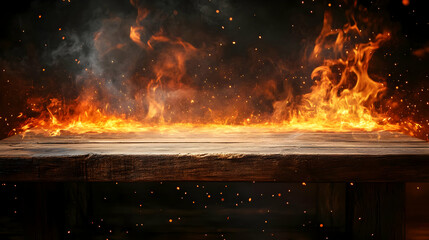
[343,94]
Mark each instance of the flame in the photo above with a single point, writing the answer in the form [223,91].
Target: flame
[343,96]
[137,29]
[135,35]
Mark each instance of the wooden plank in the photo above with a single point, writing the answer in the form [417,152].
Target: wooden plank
[417,217]
[376,211]
[262,143]
[331,200]
[43,214]
[288,168]
[184,156]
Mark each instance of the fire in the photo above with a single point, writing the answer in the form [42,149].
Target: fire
[343,99]
[343,96]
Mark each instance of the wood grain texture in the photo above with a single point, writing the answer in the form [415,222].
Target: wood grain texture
[186,156]
[376,211]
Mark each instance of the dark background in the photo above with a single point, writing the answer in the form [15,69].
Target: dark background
[29,44]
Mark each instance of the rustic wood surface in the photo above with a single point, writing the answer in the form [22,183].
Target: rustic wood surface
[208,156]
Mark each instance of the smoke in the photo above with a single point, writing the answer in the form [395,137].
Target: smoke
[421,52]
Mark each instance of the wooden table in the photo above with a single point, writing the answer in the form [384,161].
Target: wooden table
[187,156]
[377,163]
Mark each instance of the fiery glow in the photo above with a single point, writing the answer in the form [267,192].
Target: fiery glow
[343,94]
[343,97]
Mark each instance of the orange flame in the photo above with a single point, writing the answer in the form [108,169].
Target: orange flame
[343,99]
[137,29]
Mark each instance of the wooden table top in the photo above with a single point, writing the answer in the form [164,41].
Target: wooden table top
[226,156]
[261,143]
